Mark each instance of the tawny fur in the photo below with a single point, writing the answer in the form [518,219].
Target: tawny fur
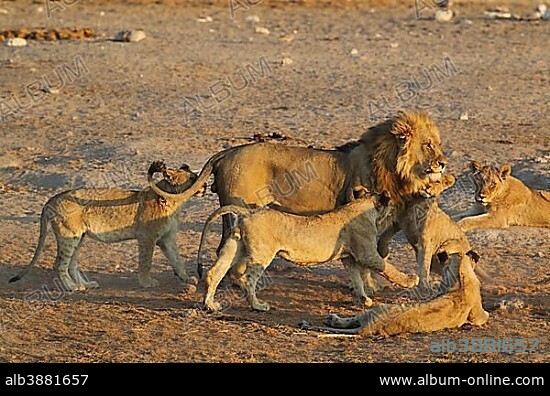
[428,229]
[115,215]
[401,156]
[459,305]
[504,201]
[261,234]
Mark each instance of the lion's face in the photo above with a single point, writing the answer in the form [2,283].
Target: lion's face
[435,188]
[181,179]
[489,181]
[420,154]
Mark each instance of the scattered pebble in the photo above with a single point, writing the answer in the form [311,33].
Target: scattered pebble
[50,90]
[130,36]
[16,42]
[3,11]
[394,45]
[262,30]
[102,13]
[498,13]
[541,12]
[287,61]
[354,52]
[287,38]
[541,160]
[463,116]
[252,18]
[444,15]
[204,19]
[540,254]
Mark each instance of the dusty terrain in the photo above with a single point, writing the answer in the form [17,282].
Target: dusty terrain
[126,104]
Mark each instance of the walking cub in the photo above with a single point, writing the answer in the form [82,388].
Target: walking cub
[114,215]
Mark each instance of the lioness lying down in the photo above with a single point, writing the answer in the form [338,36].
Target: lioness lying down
[261,234]
[459,305]
[115,215]
[504,201]
[428,229]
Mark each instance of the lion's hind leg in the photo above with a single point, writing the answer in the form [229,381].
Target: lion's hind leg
[229,255]
[66,247]
[76,274]
[253,274]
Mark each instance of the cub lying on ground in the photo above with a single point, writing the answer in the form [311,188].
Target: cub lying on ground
[115,215]
[504,201]
[261,234]
[428,229]
[459,305]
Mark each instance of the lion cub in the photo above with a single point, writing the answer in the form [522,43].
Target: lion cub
[459,305]
[115,215]
[504,201]
[427,228]
[261,234]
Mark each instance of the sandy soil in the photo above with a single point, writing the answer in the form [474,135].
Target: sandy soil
[125,104]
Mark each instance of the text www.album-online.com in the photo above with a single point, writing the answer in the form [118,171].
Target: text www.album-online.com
[489,380]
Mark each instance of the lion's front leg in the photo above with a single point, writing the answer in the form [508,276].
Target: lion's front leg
[488,220]
[474,210]
[360,297]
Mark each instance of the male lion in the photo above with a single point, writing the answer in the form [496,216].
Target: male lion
[261,234]
[504,201]
[400,156]
[459,305]
[115,215]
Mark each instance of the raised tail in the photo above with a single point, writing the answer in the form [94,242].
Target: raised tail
[41,239]
[206,171]
[228,209]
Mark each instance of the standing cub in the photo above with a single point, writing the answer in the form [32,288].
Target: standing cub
[115,215]
[262,234]
[504,201]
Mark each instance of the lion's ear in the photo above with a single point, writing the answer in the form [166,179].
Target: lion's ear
[360,192]
[475,166]
[184,167]
[448,181]
[505,171]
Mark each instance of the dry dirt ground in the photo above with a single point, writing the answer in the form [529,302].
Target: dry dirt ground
[117,106]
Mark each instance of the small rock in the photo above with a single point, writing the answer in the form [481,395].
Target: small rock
[262,30]
[546,15]
[541,160]
[354,52]
[50,90]
[287,61]
[499,13]
[540,254]
[16,42]
[542,8]
[130,36]
[3,11]
[204,19]
[394,45]
[102,13]
[252,19]
[287,38]
[463,117]
[444,15]
[467,22]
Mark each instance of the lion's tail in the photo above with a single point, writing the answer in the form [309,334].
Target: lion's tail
[228,209]
[197,186]
[44,220]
